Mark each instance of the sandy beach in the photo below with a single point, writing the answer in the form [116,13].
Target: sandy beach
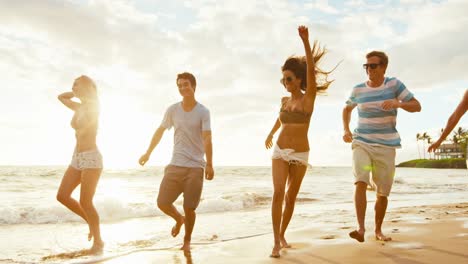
[427,218]
[423,234]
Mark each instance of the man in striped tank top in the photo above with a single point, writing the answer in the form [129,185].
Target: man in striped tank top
[375,139]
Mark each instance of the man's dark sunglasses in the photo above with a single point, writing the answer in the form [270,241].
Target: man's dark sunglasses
[371,65]
[286,80]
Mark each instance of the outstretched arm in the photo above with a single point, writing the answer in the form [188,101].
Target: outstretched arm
[154,142]
[452,121]
[311,89]
[66,99]
[269,139]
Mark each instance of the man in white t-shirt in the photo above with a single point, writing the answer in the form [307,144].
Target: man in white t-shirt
[184,174]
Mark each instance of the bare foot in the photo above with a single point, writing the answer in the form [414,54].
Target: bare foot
[186,247]
[97,248]
[275,252]
[176,229]
[284,244]
[358,235]
[381,237]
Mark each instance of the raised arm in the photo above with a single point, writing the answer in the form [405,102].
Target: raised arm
[269,139]
[311,89]
[209,171]
[452,121]
[66,99]
[154,142]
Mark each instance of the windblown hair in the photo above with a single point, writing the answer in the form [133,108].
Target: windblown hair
[298,65]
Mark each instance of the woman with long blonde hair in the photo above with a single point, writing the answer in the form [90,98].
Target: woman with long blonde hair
[86,165]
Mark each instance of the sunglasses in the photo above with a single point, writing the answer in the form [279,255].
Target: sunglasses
[371,65]
[286,80]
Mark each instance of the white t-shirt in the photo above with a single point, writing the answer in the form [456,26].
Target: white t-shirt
[188,149]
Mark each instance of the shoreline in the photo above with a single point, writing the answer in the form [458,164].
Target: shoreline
[425,234]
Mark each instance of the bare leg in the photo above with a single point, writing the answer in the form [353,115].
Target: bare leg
[360,203]
[380,209]
[89,181]
[190,218]
[171,211]
[296,175]
[280,173]
[70,181]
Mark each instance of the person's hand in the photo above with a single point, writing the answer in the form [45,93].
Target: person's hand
[209,172]
[268,141]
[348,136]
[144,158]
[434,146]
[390,104]
[303,33]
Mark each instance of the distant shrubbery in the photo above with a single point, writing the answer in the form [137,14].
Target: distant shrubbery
[440,164]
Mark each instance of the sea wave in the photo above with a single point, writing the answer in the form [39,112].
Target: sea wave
[114,210]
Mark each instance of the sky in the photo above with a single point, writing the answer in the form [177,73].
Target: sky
[235,48]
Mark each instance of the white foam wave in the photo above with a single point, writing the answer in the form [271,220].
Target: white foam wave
[112,209]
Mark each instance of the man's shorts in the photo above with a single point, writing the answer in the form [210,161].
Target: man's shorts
[379,160]
[179,180]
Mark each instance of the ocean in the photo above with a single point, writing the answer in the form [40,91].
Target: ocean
[236,204]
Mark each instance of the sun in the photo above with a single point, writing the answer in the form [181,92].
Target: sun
[125,132]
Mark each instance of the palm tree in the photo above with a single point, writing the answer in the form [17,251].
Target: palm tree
[460,132]
[424,137]
[455,140]
[418,137]
[463,140]
[429,141]
[440,134]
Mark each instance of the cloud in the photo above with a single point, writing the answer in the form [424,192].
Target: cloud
[323,6]
[235,49]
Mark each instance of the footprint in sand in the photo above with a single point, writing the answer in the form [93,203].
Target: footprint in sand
[328,237]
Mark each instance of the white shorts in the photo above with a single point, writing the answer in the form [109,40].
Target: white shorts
[292,157]
[87,160]
[379,160]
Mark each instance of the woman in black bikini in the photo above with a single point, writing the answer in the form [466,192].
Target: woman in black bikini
[291,151]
